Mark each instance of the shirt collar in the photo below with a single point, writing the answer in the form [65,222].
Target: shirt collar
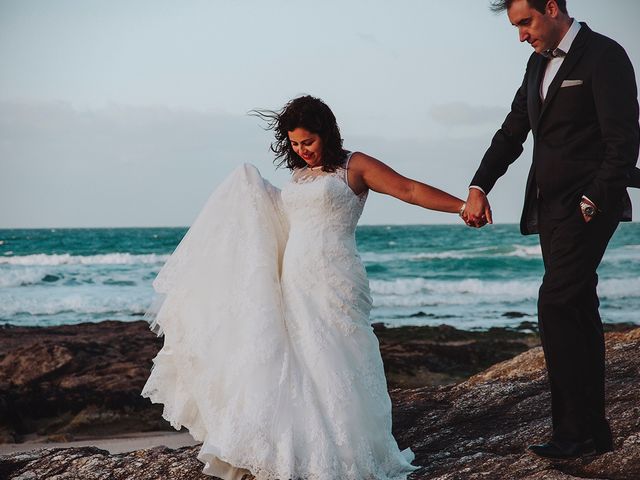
[570,36]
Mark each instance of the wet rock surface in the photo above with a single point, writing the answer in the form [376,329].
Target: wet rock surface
[71,381]
[419,356]
[90,463]
[475,429]
[77,379]
[480,428]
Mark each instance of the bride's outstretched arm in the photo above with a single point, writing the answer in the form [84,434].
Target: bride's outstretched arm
[367,172]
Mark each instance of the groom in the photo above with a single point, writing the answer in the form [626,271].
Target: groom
[579,99]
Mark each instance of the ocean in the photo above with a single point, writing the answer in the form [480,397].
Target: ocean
[419,274]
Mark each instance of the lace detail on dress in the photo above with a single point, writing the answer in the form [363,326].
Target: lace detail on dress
[310,174]
[269,357]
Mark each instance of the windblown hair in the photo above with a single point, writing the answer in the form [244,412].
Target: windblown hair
[540,5]
[309,113]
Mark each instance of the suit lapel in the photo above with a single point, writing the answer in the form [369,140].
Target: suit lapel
[533,93]
[574,55]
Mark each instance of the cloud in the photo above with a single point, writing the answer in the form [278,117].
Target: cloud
[154,166]
[460,114]
[147,166]
[117,165]
[368,38]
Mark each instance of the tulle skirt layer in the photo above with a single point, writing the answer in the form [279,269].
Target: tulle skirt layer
[276,372]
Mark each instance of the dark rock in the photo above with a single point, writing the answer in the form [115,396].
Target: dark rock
[80,380]
[475,430]
[514,314]
[76,379]
[419,356]
[480,428]
[421,314]
[378,326]
[90,463]
[527,326]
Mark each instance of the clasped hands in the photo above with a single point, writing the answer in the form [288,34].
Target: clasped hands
[476,212]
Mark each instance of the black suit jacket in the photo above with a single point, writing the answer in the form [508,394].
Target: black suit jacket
[586,133]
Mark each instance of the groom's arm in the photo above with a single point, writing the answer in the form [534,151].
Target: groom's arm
[505,148]
[615,97]
[506,145]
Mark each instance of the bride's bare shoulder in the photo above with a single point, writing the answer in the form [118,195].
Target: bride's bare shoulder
[360,161]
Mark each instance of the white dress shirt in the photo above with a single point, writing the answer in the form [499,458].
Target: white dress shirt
[554,63]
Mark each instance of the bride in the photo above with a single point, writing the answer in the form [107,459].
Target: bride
[269,358]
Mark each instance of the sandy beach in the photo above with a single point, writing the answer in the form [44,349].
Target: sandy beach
[120,444]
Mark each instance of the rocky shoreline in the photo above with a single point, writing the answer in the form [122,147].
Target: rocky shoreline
[71,381]
[464,414]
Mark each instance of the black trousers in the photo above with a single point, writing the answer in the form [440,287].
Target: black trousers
[569,322]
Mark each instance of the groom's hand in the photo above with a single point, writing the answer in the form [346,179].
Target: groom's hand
[477,213]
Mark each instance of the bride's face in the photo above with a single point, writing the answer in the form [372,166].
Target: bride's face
[307,145]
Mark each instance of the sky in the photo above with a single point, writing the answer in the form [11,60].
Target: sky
[128,113]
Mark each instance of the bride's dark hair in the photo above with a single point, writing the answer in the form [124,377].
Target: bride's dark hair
[309,113]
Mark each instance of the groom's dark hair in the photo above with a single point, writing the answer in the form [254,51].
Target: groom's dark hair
[540,5]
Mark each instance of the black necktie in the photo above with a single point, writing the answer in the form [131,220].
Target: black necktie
[555,53]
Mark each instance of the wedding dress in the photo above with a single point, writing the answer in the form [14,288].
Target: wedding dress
[269,358]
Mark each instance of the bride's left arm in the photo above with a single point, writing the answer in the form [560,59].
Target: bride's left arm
[368,172]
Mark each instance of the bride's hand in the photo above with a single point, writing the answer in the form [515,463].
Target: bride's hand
[477,210]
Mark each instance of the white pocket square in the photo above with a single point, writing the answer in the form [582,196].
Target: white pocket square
[571,83]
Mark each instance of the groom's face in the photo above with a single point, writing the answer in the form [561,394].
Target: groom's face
[536,28]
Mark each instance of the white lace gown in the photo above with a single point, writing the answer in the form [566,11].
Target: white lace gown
[269,358]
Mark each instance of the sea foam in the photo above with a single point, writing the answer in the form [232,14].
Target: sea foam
[76,304]
[66,259]
[520,251]
[409,286]
[20,278]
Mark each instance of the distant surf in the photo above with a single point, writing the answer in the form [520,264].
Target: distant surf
[419,275]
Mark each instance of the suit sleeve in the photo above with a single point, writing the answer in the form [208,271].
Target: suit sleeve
[616,100]
[506,145]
